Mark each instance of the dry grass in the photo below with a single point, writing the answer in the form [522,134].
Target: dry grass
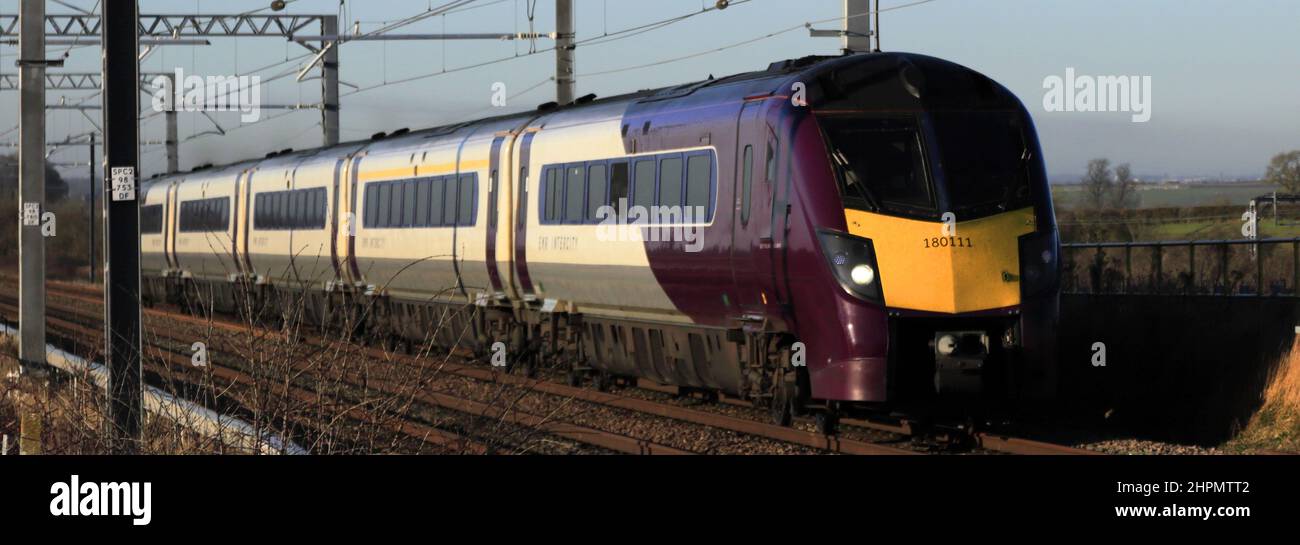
[1276,426]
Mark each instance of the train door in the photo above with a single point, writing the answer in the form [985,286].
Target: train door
[496,166]
[241,222]
[751,212]
[169,225]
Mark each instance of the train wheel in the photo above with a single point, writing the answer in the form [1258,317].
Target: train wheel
[783,399]
[827,422]
[602,381]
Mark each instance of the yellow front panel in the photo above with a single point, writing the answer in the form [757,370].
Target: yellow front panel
[923,268]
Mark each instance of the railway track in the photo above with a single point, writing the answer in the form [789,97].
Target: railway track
[87,298]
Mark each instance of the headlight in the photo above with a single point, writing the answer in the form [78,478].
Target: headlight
[853,260]
[946,345]
[863,275]
[1040,269]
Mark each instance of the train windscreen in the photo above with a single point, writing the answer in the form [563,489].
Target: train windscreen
[879,164]
[983,156]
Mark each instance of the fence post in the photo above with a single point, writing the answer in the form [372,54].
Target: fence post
[1160,269]
[1259,270]
[1295,267]
[1128,268]
[1191,267]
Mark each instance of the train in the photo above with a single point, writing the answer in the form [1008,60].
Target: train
[830,235]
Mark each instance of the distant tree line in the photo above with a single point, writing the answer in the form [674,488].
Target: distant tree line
[1284,171]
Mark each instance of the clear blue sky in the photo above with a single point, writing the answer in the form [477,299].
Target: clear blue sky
[1226,74]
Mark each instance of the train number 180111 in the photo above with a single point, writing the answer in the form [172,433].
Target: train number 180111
[947,242]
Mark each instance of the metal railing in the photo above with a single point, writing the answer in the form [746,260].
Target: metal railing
[1264,267]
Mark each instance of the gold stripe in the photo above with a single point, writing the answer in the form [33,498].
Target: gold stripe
[421,170]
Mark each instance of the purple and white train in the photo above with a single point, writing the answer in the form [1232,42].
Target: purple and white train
[861,231]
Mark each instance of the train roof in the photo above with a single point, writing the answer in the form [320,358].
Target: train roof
[748,84]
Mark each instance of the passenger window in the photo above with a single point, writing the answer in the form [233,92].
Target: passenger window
[747,183]
[408,204]
[299,209]
[372,206]
[595,191]
[552,194]
[449,202]
[575,183]
[385,204]
[492,212]
[670,181]
[466,200]
[699,174]
[435,202]
[644,184]
[618,184]
[422,203]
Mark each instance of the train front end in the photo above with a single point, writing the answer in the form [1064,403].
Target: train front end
[948,233]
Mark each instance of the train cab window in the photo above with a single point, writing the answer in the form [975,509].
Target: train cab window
[644,184]
[408,203]
[618,184]
[595,191]
[466,199]
[699,183]
[747,183]
[984,159]
[436,190]
[575,182]
[670,181]
[878,163]
[151,219]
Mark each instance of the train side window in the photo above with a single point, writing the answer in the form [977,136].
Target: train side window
[422,203]
[286,210]
[670,181]
[771,162]
[299,218]
[644,184]
[397,217]
[467,199]
[450,200]
[385,206]
[151,219]
[699,186]
[618,184]
[492,210]
[372,206]
[320,208]
[435,202]
[595,191]
[747,183]
[408,204]
[574,185]
[552,192]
